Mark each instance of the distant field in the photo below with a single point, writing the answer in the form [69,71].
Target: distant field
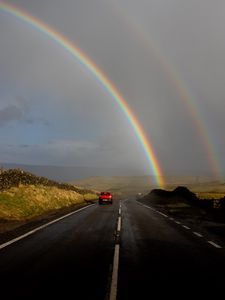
[119,185]
[132,185]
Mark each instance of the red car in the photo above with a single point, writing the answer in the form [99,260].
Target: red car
[105,197]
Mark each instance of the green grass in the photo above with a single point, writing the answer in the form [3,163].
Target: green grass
[210,195]
[178,205]
[90,197]
[26,202]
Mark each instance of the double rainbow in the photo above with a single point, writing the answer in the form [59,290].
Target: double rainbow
[99,75]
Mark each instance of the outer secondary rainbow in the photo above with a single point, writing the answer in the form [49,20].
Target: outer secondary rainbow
[98,74]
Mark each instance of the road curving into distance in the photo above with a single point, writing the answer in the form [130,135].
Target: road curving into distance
[122,251]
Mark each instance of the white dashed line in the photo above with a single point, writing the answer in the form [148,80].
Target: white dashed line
[40,227]
[214,244]
[119,224]
[113,288]
[186,227]
[198,234]
[172,219]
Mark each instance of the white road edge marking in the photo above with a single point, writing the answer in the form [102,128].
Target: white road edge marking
[113,288]
[119,224]
[148,207]
[198,234]
[177,222]
[214,244]
[159,212]
[186,227]
[41,227]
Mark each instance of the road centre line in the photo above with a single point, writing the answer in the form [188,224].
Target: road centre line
[119,224]
[113,288]
[41,227]
[214,244]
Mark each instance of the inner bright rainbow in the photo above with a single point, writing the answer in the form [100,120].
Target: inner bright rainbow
[98,74]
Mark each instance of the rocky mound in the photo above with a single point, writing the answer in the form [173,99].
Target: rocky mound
[180,191]
[181,194]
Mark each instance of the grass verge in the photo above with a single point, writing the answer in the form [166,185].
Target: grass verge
[25,202]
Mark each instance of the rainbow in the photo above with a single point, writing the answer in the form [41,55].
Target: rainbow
[190,103]
[98,74]
[185,95]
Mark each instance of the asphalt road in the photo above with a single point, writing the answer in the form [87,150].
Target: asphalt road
[74,258]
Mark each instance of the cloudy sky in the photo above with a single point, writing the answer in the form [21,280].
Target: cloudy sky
[165,56]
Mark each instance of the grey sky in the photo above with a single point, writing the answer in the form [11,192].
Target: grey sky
[66,118]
